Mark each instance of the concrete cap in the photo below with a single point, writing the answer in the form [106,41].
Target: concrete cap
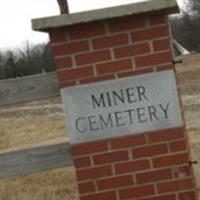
[44,24]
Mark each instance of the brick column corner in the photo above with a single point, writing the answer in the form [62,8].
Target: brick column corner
[96,47]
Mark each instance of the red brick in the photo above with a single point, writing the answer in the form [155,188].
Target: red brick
[162,44]
[70,48]
[170,160]
[177,185]
[93,57]
[178,145]
[157,18]
[150,33]
[75,73]
[100,196]
[110,41]
[132,50]
[153,176]
[185,171]
[89,148]
[166,135]
[86,31]
[115,182]
[82,162]
[135,72]
[63,62]
[67,83]
[58,36]
[155,59]
[150,150]
[86,187]
[163,197]
[97,79]
[127,23]
[188,196]
[132,166]
[113,67]
[93,173]
[137,192]
[129,141]
[110,157]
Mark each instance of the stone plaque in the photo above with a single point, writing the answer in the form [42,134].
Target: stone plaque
[121,107]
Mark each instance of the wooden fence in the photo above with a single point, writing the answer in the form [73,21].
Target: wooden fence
[28,88]
[32,159]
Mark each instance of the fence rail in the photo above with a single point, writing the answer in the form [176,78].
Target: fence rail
[30,160]
[28,88]
[33,159]
[36,159]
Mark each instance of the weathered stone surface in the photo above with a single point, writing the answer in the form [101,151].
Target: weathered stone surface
[122,107]
[46,23]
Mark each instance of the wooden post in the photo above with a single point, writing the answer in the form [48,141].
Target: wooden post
[63,6]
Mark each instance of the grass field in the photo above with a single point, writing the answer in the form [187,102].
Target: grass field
[42,122]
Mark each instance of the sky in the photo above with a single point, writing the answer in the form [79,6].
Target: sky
[16,15]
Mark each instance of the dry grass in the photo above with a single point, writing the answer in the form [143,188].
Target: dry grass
[35,123]
[32,123]
[189,79]
[38,130]
[52,185]
[43,122]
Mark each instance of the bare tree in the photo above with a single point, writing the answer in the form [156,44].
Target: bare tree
[194,6]
[63,5]
[28,60]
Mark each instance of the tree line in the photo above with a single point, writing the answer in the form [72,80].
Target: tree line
[186,25]
[31,59]
[34,59]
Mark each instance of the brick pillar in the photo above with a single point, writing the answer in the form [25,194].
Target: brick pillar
[153,165]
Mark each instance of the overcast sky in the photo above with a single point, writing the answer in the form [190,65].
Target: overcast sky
[16,15]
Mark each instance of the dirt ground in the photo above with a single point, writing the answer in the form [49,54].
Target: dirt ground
[42,122]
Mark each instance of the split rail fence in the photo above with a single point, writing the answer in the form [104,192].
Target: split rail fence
[33,159]
[30,160]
